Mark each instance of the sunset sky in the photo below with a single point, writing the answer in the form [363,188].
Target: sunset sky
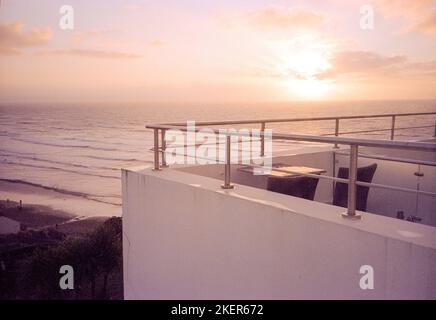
[224,51]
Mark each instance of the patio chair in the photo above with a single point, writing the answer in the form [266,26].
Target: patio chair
[301,187]
[340,195]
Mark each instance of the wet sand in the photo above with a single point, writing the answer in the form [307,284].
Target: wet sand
[40,217]
[74,205]
[33,216]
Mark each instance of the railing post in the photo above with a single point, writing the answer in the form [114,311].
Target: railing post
[336,131]
[227,184]
[393,128]
[262,139]
[156,150]
[333,171]
[164,147]
[352,187]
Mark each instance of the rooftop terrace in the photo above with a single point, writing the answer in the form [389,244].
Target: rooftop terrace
[218,230]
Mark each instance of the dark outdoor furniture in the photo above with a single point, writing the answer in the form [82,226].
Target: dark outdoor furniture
[340,195]
[302,187]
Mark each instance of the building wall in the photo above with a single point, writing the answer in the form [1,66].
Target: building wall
[186,238]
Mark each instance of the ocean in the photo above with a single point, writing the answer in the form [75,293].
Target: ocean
[79,150]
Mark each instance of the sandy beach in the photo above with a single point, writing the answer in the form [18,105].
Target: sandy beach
[74,205]
[43,208]
[33,216]
[41,217]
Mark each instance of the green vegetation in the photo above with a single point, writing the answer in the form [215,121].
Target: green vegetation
[96,258]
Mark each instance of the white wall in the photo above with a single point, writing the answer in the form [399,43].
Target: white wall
[186,238]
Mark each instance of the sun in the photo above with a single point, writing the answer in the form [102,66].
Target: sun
[309,88]
[300,62]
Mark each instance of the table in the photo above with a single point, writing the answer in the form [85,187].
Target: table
[296,170]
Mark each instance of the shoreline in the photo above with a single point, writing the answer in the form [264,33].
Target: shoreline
[34,216]
[56,201]
[41,217]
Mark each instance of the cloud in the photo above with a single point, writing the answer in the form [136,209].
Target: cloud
[14,38]
[421,68]
[405,8]
[419,15]
[97,32]
[93,34]
[365,64]
[280,17]
[133,7]
[90,54]
[100,31]
[156,43]
[427,25]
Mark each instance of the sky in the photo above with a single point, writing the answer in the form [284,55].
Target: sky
[217,51]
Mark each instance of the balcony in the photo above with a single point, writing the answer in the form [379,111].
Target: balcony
[218,231]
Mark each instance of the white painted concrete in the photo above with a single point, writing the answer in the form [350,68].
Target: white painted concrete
[186,238]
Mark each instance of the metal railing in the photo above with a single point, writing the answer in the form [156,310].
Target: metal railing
[353,143]
[264,122]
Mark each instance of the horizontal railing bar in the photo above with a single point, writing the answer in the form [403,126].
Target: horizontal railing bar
[407,145]
[394,159]
[383,186]
[346,181]
[215,161]
[202,144]
[330,178]
[362,155]
[377,130]
[323,135]
[259,121]
[374,130]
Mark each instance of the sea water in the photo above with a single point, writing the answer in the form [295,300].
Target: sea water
[80,149]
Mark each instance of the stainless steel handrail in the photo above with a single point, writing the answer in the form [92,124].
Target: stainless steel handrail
[408,145]
[354,144]
[378,130]
[263,122]
[392,159]
[259,121]
[346,181]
